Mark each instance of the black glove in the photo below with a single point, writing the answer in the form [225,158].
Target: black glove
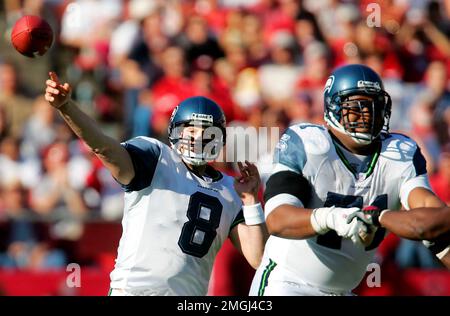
[369,215]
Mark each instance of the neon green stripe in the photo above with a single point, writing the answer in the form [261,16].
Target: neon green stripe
[265,277]
[351,169]
[110,291]
[373,162]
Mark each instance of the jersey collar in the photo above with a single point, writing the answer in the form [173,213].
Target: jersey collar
[370,168]
[211,174]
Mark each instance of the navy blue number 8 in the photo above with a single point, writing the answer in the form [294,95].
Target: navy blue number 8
[331,239]
[197,234]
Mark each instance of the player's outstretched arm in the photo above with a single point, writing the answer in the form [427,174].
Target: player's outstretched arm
[428,217]
[109,150]
[289,221]
[286,194]
[250,238]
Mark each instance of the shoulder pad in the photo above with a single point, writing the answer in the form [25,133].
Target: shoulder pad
[316,139]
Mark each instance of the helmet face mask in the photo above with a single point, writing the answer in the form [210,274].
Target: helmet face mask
[197,144]
[356,104]
[197,130]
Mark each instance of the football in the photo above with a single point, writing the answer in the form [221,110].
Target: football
[32,36]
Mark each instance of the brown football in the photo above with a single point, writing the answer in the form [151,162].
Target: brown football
[32,36]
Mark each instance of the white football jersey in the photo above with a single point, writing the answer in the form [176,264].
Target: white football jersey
[328,261]
[174,223]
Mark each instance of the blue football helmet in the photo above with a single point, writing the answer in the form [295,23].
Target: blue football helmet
[198,112]
[348,81]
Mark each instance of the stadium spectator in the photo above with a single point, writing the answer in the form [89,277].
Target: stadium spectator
[440,181]
[55,197]
[39,130]
[15,105]
[436,84]
[173,87]
[125,35]
[13,168]
[196,42]
[277,78]
[264,61]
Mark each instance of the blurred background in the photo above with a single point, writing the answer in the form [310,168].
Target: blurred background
[264,61]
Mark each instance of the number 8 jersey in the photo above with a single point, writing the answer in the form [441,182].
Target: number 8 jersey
[174,223]
[328,261]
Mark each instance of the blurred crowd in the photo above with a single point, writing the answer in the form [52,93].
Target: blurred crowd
[264,61]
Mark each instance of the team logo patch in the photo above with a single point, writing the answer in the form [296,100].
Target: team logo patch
[329,84]
[202,117]
[369,84]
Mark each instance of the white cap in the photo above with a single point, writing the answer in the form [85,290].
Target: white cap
[140,9]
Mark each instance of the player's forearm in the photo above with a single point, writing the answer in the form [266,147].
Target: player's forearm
[111,153]
[289,221]
[86,128]
[250,241]
[418,224]
[254,250]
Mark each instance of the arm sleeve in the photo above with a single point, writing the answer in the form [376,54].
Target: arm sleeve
[145,155]
[415,177]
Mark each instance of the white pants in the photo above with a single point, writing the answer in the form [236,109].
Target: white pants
[273,280]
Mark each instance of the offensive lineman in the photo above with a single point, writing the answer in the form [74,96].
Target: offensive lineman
[353,169]
[178,209]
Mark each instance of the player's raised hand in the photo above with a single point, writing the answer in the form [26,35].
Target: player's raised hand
[248,183]
[57,94]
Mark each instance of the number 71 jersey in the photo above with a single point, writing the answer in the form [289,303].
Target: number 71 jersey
[174,223]
[392,172]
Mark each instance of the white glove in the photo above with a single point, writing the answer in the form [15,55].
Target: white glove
[335,218]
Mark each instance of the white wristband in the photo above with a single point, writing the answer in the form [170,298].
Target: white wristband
[319,219]
[253,214]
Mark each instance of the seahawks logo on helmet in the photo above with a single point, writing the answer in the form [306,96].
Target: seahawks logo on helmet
[174,113]
[329,84]
[351,80]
